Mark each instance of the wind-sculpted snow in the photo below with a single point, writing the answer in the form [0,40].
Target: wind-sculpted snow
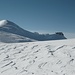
[38,58]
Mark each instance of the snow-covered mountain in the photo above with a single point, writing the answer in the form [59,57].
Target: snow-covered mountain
[9,32]
[38,58]
[11,28]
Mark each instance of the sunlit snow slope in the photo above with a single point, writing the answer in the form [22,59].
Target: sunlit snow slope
[38,58]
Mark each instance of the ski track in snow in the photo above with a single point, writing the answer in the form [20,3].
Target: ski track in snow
[38,58]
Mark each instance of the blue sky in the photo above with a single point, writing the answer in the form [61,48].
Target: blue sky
[44,16]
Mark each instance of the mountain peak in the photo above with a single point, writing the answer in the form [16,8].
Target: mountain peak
[3,22]
[7,23]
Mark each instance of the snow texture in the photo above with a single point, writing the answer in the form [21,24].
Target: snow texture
[38,58]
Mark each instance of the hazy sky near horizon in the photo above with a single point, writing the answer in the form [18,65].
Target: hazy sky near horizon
[44,16]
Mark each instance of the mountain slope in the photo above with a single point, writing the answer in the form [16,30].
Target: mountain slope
[38,58]
[10,27]
[9,32]
[13,38]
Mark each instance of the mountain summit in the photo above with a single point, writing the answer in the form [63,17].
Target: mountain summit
[3,22]
[8,27]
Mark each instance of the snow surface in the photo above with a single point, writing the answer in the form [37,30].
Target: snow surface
[38,58]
